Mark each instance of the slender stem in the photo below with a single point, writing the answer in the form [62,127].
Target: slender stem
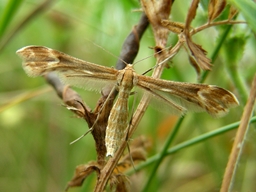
[237,148]
[236,78]
[163,153]
[130,42]
[207,25]
[189,143]
[216,50]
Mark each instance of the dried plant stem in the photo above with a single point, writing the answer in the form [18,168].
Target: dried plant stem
[127,50]
[239,141]
[144,103]
[108,169]
[207,25]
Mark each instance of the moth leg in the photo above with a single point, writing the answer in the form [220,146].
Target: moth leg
[128,128]
[96,120]
[133,92]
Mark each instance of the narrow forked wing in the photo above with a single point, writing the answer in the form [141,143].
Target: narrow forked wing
[196,97]
[39,60]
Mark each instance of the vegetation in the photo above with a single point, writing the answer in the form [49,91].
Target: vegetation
[187,153]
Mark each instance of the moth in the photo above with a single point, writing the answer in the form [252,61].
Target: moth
[178,97]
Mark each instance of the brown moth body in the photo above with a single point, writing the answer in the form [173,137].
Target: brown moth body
[118,120]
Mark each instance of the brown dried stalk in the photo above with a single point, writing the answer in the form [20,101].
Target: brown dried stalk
[240,138]
[155,18]
[131,42]
[156,12]
[216,23]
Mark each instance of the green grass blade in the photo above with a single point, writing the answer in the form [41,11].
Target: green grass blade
[163,153]
[248,10]
[190,143]
[8,13]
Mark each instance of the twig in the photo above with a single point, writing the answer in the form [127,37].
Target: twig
[207,25]
[130,47]
[237,148]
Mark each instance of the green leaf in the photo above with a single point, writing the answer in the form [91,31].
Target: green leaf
[234,48]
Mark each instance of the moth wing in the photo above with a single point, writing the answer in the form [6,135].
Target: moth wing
[39,60]
[195,97]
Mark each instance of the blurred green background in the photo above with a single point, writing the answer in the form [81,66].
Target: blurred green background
[35,129]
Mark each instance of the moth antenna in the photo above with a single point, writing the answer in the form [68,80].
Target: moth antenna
[136,61]
[107,51]
[166,59]
[151,55]
[162,62]
[150,69]
[81,136]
